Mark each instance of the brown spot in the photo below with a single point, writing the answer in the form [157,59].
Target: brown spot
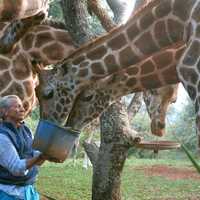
[146,20]
[54,51]
[117,42]
[16,89]
[163,59]
[27,41]
[42,39]
[131,82]
[78,60]
[163,9]
[64,38]
[132,70]
[83,72]
[170,75]
[29,87]
[58,108]
[127,57]
[150,81]
[193,54]
[5,78]
[21,69]
[141,43]
[4,63]
[133,31]
[147,67]
[196,14]
[110,63]
[97,68]
[67,101]
[62,101]
[161,34]
[181,8]
[176,30]
[65,109]
[97,53]
[84,64]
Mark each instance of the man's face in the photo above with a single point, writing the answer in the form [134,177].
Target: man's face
[15,111]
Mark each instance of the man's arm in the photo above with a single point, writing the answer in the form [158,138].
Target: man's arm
[10,159]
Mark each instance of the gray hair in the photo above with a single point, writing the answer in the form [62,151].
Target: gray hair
[6,102]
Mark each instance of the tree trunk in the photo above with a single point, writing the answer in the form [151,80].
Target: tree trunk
[116,136]
[102,14]
[116,139]
[77,20]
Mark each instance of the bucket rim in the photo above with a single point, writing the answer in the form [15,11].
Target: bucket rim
[72,131]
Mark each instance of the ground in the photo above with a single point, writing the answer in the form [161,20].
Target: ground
[171,173]
[188,177]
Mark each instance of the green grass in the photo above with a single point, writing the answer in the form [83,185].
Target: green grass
[68,182]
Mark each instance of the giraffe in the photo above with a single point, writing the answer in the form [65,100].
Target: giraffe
[95,98]
[155,27]
[157,102]
[25,88]
[18,9]
[43,44]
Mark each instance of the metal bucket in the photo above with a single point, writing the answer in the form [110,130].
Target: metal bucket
[54,141]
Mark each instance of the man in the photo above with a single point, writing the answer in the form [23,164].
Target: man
[18,161]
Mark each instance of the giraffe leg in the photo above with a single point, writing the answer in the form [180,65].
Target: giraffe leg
[188,71]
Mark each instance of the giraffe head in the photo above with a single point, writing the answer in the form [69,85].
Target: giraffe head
[157,102]
[92,101]
[87,104]
[56,94]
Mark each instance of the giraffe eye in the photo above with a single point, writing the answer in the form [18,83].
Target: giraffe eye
[48,93]
[86,98]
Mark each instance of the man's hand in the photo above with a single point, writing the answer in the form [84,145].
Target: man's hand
[50,159]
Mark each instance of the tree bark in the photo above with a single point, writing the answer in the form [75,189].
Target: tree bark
[100,12]
[135,105]
[116,139]
[116,135]
[77,20]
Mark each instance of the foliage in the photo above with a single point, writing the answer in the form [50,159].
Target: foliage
[55,11]
[32,119]
[183,126]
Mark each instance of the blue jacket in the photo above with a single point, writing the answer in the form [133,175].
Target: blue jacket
[22,140]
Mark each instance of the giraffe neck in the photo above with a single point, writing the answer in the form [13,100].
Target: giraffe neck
[142,76]
[46,44]
[126,81]
[127,45]
[41,43]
